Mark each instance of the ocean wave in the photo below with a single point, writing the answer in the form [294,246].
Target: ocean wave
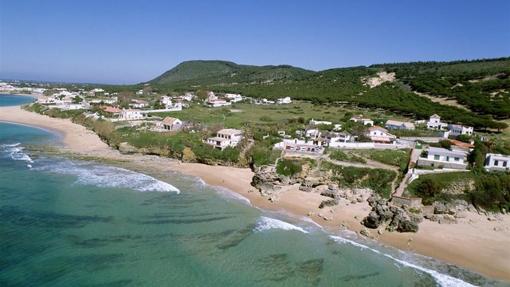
[267,223]
[442,279]
[16,152]
[227,193]
[107,176]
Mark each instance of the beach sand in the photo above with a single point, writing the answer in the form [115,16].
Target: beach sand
[474,243]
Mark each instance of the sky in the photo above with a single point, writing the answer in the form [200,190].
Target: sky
[122,42]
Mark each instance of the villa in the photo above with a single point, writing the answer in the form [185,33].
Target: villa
[435,123]
[215,102]
[131,115]
[457,130]
[225,138]
[234,98]
[364,121]
[300,146]
[380,135]
[170,124]
[318,123]
[444,158]
[497,162]
[335,139]
[284,101]
[138,104]
[398,125]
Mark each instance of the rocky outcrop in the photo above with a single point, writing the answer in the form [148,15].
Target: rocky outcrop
[393,218]
[126,148]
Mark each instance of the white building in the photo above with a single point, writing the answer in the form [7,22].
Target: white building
[170,124]
[441,157]
[226,138]
[131,115]
[380,135]
[284,101]
[312,133]
[318,123]
[335,140]
[497,162]
[215,102]
[234,98]
[457,130]
[435,123]
[364,121]
[138,104]
[299,146]
[398,125]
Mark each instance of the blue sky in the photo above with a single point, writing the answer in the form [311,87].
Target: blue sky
[133,41]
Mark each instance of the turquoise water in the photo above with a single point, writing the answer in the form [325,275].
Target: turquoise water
[14,100]
[76,223]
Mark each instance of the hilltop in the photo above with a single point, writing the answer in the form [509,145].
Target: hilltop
[468,92]
[201,72]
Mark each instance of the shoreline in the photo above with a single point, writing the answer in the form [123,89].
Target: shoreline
[473,243]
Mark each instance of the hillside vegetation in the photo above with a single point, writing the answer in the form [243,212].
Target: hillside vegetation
[482,85]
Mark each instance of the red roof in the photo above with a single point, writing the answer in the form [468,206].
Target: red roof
[462,144]
[112,110]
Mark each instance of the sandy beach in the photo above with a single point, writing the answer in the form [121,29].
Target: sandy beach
[474,243]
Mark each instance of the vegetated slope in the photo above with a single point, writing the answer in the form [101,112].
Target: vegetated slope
[481,85]
[200,73]
[346,85]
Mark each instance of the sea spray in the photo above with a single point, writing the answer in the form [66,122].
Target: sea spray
[441,279]
[106,176]
[267,223]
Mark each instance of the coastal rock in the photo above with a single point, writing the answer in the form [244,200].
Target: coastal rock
[447,219]
[364,232]
[440,208]
[329,202]
[126,148]
[395,218]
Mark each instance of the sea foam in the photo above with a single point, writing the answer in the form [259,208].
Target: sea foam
[267,223]
[442,279]
[16,152]
[107,176]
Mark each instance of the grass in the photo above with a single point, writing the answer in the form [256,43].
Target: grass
[431,187]
[379,180]
[278,116]
[399,158]
[343,156]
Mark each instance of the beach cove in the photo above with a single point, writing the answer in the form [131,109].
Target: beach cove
[473,245]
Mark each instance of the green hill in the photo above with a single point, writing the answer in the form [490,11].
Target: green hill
[199,73]
[481,86]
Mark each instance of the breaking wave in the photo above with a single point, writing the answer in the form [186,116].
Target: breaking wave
[107,176]
[267,223]
[442,279]
[16,152]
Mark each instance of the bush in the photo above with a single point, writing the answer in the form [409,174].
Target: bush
[288,167]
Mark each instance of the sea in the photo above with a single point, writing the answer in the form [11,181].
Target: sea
[66,222]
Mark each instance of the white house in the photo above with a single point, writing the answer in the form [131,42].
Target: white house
[226,138]
[284,101]
[457,130]
[337,127]
[441,157]
[398,125]
[215,102]
[131,115]
[380,135]
[165,100]
[234,98]
[497,162]
[335,140]
[299,146]
[364,121]
[170,124]
[435,123]
[138,104]
[318,123]
[312,133]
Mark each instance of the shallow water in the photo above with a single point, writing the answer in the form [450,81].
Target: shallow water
[76,223]
[14,100]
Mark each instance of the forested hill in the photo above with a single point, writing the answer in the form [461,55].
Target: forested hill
[193,73]
[480,88]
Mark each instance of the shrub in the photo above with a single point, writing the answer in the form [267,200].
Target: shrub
[288,167]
